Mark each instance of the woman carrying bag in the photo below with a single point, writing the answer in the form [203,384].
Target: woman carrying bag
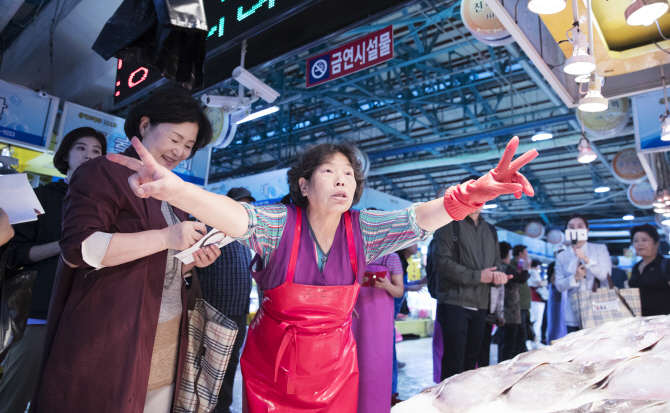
[300,354]
[117,331]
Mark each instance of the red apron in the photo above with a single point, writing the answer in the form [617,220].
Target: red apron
[300,354]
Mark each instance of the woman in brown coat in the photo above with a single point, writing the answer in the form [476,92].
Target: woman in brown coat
[117,328]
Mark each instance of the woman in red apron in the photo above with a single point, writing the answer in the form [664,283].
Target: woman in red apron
[300,354]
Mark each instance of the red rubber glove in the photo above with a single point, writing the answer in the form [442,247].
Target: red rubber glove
[462,200]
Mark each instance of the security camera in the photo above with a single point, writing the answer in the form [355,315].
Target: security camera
[257,87]
[220,101]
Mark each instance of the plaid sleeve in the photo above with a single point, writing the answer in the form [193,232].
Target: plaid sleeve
[266,224]
[386,232]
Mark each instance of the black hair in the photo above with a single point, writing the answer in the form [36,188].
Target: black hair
[518,249]
[648,229]
[505,248]
[171,105]
[535,263]
[580,216]
[60,157]
[615,260]
[286,199]
[307,162]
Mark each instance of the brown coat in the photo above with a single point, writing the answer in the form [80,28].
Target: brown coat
[102,324]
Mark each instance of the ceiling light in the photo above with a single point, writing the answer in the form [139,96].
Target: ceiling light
[490,206]
[644,12]
[580,63]
[628,217]
[593,101]
[546,6]
[586,154]
[542,136]
[666,222]
[602,188]
[259,114]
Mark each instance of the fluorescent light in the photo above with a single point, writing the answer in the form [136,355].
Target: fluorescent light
[628,217]
[666,222]
[542,136]
[259,114]
[546,6]
[602,188]
[490,206]
[644,12]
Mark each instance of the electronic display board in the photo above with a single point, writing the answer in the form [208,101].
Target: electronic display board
[231,21]
[132,78]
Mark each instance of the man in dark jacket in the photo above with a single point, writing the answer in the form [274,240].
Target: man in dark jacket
[465,270]
[512,330]
[619,276]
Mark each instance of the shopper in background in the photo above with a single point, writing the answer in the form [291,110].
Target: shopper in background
[226,285]
[652,274]
[116,337]
[522,262]
[555,315]
[512,333]
[619,276]
[35,248]
[373,329]
[404,255]
[466,267]
[494,317]
[579,267]
[6,230]
[537,304]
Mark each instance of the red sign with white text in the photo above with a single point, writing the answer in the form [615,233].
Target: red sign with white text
[360,54]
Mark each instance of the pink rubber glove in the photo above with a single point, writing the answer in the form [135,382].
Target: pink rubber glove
[462,200]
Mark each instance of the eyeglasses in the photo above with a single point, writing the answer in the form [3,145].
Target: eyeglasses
[213,238]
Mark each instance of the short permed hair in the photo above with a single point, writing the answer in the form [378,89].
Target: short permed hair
[60,157]
[171,105]
[309,160]
[648,229]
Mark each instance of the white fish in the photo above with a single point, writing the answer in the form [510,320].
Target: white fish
[618,406]
[553,384]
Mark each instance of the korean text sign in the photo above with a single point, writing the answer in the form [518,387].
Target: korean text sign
[370,50]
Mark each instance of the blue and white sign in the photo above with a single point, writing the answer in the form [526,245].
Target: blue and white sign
[266,188]
[26,117]
[647,108]
[75,116]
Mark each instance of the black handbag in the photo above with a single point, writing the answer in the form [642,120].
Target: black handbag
[14,304]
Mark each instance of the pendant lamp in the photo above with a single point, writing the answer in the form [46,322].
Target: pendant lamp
[593,100]
[581,62]
[644,12]
[586,153]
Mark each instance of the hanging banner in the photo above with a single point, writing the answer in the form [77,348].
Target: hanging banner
[75,116]
[483,24]
[367,51]
[647,108]
[627,166]
[26,117]
[642,195]
[608,123]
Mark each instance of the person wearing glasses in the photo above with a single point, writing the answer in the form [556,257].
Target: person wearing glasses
[300,355]
[116,336]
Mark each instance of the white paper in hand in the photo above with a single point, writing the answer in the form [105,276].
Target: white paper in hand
[18,199]
[214,237]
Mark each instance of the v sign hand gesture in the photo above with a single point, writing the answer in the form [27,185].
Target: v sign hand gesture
[462,200]
[151,179]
